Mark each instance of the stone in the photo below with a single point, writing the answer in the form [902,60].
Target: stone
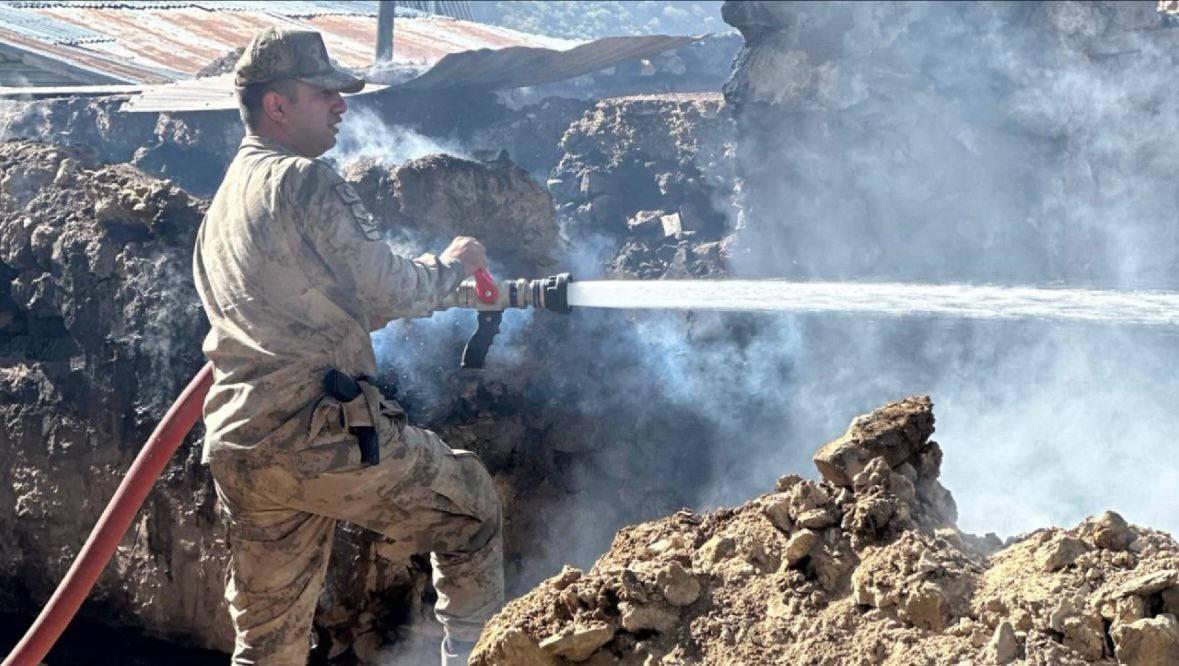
[672,225]
[715,550]
[645,221]
[799,546]
[805,497]
[897,432]
[777,511]
[579,644]
[1003,648]
[677,585]
[1065,608]
[786,482]
[818,519]
[672,544]
[639,617]
[1151,583]
[1129,609]
[1060,552]
[1147,642]
[925,608]
[1086,635]
[1109,531]
[567,576]
[514,647]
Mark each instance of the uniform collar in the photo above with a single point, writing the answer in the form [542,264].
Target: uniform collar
[255,141]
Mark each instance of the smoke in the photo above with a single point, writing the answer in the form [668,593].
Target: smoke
[1000,144]
[987,144]
[365,136]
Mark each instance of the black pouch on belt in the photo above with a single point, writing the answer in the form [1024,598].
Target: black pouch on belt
[346,389]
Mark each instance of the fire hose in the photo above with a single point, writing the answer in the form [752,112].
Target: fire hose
[481,293]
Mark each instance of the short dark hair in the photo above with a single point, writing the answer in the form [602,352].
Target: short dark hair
[249,98]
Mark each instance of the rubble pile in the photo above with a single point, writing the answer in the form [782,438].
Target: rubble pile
[100,327]
[864,566]
[655,171]
[429,201]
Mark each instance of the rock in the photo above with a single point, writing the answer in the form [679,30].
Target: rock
[896,432]
[1129,609]
[640,617]
[1065,608]
[579,644]
[799,546]
[1148,584]
[568,576]
[677,585]
[818,519]
[777,511]
[672,225]
[717,549]
[786,482]
[672,544]
[1148,642]
[512,647]
[925,608]
[805,497]
[1003,648]
[645,221]
[1108,531]
[1060,552]
[1086,635]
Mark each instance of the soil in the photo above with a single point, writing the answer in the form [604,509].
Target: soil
[862,566]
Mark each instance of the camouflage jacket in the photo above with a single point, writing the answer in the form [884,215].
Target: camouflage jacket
[293,276]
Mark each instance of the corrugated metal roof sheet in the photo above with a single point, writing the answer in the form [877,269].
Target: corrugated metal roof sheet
[295,8]
[484,68]
[47,29]
[516,67]
[160,41]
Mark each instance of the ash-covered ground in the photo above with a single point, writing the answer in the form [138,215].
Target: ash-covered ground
[936,142]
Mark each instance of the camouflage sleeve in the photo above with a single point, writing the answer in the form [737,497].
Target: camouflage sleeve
[346,236]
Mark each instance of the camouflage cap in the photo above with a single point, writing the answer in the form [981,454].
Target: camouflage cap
[278,53]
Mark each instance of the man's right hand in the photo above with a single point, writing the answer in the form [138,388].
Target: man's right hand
[467,250]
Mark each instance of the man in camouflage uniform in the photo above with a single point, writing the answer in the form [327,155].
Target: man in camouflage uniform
[293,275]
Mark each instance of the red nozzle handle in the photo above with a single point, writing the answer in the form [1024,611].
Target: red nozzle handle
[486,289]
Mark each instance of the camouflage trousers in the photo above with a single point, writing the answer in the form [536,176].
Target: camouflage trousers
[283,501]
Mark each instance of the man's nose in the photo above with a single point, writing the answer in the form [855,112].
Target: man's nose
[339,105]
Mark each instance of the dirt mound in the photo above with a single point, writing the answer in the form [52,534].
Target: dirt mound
[862,567]
[654,173]
[435,198]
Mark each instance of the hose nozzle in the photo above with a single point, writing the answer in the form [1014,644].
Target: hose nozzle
[491,298]
[483,293]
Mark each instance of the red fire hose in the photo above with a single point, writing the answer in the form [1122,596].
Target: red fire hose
[115,520]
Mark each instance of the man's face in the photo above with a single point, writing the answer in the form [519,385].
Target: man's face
[312,119]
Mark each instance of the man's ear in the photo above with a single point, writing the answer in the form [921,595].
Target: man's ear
[274,105]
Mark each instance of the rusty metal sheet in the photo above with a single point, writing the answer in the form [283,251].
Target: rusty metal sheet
[82,61]
[184,37]
[516,67]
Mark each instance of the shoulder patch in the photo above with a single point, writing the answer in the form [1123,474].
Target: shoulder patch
[364,220]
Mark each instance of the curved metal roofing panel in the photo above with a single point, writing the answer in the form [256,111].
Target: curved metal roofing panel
[47,29]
